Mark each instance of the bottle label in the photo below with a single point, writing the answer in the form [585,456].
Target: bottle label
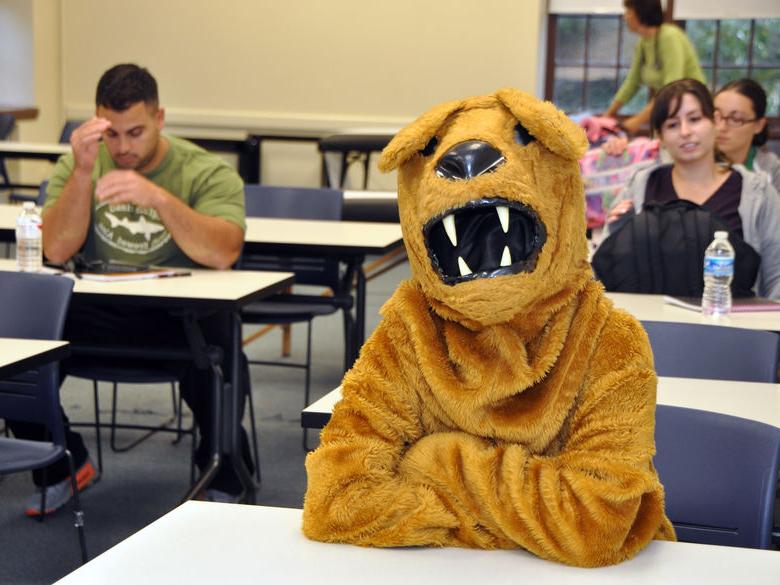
[718,267]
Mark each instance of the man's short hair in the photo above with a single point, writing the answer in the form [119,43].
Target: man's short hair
[124,85]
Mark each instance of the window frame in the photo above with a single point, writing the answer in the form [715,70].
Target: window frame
[773,121]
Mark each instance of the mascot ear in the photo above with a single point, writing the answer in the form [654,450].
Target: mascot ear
[414,137]
[546,123]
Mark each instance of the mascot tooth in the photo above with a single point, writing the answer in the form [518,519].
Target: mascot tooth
[502,402]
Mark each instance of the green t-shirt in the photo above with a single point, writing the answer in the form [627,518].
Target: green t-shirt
[136,235]
[666,57]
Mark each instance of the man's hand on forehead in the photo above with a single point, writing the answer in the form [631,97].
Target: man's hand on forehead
[85,141]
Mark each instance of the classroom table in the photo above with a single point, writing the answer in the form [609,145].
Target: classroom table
[206,543]
[349,241]
[646,307]
[203,291]
[8,215]
[50,151]
[20,355]
[757,401]
[370,206]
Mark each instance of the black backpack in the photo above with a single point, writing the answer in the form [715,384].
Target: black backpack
[661,251]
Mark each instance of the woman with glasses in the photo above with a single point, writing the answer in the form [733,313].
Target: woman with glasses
[683,117]
[663,54]
[740,109]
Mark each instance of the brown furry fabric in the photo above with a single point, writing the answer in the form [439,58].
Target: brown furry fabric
[501,412]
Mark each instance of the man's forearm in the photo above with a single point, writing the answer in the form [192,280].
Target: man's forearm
[66,223]
[210,241]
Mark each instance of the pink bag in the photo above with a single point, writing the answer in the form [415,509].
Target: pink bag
[604,175]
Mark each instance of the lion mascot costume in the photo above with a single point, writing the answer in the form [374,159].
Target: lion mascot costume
[502,401]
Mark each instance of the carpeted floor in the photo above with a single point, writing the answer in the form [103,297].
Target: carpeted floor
[141,485]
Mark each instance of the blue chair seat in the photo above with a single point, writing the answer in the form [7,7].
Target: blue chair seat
[21,455]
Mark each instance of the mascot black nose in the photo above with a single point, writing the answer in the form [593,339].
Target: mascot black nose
[468,160]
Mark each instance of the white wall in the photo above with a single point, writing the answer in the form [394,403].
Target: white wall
[16,53]
[30,39]
[225,67]
[304,64]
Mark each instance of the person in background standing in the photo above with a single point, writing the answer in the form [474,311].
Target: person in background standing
[663,54]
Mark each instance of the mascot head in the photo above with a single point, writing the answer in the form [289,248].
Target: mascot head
[492,206]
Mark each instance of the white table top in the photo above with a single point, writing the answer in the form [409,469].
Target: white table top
[208,543]
[653,308]
[212,286]
[8,215]
[752,400]
[331,234]
[370,236]
[9,146]
[15,352]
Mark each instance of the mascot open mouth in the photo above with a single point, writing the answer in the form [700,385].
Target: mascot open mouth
[484,239]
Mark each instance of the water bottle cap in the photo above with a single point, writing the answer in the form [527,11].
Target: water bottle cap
[28,205]
[721,235]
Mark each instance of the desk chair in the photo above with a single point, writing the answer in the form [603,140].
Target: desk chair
[7,122]
[130,374]
[39,304]
[720,476]
[351,148]
[67,130]
[124,375]
[285,309]
[689,350]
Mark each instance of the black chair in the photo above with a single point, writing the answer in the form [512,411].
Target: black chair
[130,374]
[68,129]
[691,350]
[351,147]
[7,123]
[39,303]
[284,309]
[720,475]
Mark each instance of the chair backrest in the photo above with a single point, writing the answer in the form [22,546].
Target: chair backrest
[689,350]
[68,129]
[7,123]
[34,307]
[295,203]
[41,199]
[720,476]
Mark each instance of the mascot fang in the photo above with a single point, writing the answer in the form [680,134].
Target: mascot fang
[502,402]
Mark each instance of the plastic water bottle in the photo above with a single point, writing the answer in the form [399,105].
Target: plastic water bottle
[718,273]
[29,248]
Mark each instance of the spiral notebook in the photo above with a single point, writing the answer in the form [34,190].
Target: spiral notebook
[114,271]
[741,305]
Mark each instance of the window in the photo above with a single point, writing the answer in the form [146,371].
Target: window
[588,57]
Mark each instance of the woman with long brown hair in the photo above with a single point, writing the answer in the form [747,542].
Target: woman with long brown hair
[683,117]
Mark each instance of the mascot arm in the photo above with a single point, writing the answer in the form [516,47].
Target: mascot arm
[355,491]
[595,502]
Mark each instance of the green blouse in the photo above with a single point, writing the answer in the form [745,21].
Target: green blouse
[665,57]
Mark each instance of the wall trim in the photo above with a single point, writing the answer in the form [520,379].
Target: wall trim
[257,122]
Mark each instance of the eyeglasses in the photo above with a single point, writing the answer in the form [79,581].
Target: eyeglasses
[733,121]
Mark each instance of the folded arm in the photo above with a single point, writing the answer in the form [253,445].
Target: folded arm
[377,480]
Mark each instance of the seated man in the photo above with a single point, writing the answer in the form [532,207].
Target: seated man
[124,174]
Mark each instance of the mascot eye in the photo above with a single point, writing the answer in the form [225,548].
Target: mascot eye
[430,147]
[523,136]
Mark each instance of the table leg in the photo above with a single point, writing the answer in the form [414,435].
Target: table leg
[360,309]
[233,420]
